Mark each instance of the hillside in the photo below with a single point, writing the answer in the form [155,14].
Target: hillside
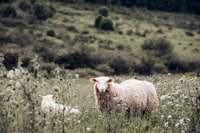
[70,40]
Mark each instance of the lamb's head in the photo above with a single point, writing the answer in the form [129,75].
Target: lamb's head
[102,83]
[50,98]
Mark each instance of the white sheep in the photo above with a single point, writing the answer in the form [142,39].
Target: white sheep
[50,107]
[137,96]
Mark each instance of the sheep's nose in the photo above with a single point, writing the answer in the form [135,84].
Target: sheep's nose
[102,90]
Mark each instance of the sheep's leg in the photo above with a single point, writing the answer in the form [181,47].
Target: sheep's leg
[128,113]
[146,113]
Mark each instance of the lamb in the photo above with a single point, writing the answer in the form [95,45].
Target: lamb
[134,95]
[13,73]
[50,107]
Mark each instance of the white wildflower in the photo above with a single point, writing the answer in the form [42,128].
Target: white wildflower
[76,76]
[177,105]
[164,97]
[17,72]
[88,129]
[166,124]
[11,82]
[169,103]
[187,119]
[69,119]
[182,79]
[183,131]
[193,99]
[169,116]
[177,124]
[56,88]
[181,121]
[163,106]
[17,84]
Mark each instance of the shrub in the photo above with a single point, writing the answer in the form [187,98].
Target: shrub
[129,32]
[102,22]
[98,21]
[25,61]
[24,5]
[145,66]
[177,64]
[105,68]
[103,11]
[106,24]
[160,68]
[51,33]
[189,33]
[72,29]
[9,11]
[159,46]
[107,46]
[47,54]
[120,47]
[120,65]
[43,12]
[10,60]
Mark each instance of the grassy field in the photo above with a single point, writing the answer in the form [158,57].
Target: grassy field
[73,26]
[20,105]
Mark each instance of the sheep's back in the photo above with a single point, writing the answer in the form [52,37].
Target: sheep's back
[139,93]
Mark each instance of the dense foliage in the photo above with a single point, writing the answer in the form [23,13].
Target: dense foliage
[102,21]
[44,12]
[188,6]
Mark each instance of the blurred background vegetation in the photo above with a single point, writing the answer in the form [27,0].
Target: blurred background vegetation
[93,37]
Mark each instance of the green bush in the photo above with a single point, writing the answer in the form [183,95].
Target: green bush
[24,5]
[189,33]
[145,65]
[10,60]
[43,12]
[159,47]
[160,68]
[120,65]
[103,11]
[51,33]
[98,21]
[9,11]
[102,21]
[106,24]
[105,68]
[120,47]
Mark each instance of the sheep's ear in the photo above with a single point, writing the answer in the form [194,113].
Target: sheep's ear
[55,95]
[93,80]
[110,80]
[40,96]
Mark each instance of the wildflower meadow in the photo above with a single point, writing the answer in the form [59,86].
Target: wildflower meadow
[20,103]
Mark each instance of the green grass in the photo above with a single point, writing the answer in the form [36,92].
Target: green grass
[20,105]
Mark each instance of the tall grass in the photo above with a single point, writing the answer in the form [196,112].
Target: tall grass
[20,105]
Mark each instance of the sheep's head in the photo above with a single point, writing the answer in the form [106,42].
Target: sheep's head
[102,83]
[49,98]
